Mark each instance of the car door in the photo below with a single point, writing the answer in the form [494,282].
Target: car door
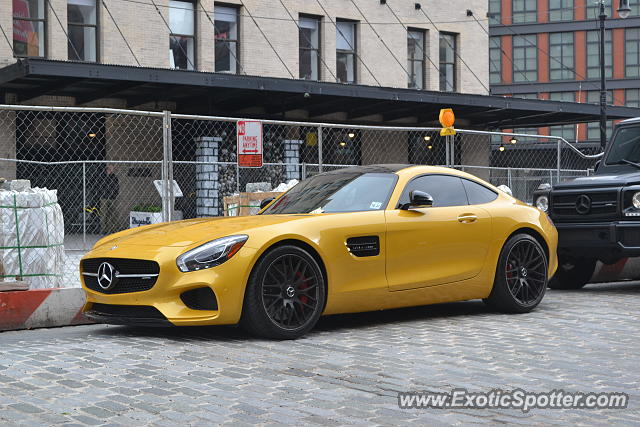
[434,245]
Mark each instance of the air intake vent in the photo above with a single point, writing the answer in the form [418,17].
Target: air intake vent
[364,246]
[200,299]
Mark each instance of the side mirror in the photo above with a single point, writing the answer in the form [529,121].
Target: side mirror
[265,202]
[418,199]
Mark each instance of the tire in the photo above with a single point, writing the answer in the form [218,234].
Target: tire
[521,276]
[285,295]
[573,273]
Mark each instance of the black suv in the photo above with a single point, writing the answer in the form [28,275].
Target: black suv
[597,216]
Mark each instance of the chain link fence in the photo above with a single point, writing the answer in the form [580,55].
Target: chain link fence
[114,169]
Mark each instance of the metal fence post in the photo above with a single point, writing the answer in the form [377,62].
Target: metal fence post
[168,196]
[319,148]
[84,205]
[559,163]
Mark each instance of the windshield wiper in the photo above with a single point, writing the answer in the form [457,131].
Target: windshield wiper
[629,162]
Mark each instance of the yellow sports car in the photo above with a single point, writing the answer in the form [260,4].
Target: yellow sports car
[351,240]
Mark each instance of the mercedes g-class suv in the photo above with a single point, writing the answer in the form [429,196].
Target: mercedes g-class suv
[597,216]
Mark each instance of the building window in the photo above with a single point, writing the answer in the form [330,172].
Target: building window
[567,132]
[494,12]
[593,128]
[495,60]
[346,51]
[526,95]
[29,28]
[563,96]
[309,42]
[560,10]
[525,58]
[226,39]
[593,55]
[593,9]
[524,11]
[415,58]
[182,39]
[82,28]
[632,52]
[635,7]
[561,62]
[632,98]
[448,62]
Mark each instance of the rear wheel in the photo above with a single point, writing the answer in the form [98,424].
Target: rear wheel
[573,273]
[285,294]
[521,276]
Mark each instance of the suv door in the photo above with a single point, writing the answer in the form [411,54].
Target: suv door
[441,244]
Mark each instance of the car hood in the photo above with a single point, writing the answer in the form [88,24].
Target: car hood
[193,231]
[604,180]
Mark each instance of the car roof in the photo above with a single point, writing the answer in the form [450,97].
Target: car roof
[396,168]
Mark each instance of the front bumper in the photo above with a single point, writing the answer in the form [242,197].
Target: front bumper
[227,281]
[603,240]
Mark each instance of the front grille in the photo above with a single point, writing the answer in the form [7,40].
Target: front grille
[603,203]
[126,311]
[144,272]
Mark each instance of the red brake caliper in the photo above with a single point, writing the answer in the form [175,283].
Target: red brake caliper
[303,298]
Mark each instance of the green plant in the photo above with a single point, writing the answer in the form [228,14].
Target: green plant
[147,208]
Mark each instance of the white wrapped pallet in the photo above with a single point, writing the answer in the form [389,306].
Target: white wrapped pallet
[32,237]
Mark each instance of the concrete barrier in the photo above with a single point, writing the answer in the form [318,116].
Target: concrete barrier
[41,308]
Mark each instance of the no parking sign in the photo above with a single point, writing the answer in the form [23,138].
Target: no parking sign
[249,143]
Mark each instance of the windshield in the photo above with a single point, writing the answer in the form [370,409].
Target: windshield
[346,191]
[625,146]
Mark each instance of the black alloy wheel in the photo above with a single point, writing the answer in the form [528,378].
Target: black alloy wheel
[526,272]
[521,276]
[285,295]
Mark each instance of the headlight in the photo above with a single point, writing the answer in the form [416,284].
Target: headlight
[542,203]
[635,200]
[211,254]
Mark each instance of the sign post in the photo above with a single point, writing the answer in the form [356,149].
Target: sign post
[249,143]
[447,119]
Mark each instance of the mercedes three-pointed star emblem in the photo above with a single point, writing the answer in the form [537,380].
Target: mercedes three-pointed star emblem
[583,204]
[106,276]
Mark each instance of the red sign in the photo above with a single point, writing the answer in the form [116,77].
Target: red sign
[249,143]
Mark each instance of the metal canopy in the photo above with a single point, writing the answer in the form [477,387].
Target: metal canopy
[197,92]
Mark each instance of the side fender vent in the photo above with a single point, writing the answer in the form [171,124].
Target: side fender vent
[364,246]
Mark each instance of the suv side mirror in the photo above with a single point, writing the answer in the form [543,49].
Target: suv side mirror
[418,199]
[265,202]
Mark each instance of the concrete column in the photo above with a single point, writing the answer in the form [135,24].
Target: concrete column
[384,147]
[6,22]
[205,36]
[292,158]
[7,144]
[207,183]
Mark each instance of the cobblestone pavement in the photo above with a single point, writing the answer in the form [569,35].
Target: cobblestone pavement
[348,371]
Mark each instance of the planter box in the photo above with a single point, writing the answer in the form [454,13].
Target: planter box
[137,219]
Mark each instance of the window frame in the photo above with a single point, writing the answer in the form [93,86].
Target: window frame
[405,192]
[525,12]
[318,50]
[353,52]
[636,41]
[517,72]
[45,33]
[96,27]
[561,10]
[608,68]
[608,9]
[237,40]
[194,37]
[422,60]
[492,63]
[561,63]
[454,36]
[495,16]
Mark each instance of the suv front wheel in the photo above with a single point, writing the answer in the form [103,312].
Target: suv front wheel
[573,273]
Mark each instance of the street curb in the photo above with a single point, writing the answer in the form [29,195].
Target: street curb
[41,308]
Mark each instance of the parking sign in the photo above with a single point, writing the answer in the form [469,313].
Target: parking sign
[249,143]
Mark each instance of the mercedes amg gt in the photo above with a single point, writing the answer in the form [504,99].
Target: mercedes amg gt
[350,240]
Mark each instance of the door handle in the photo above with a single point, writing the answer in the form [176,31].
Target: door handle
[467,218]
